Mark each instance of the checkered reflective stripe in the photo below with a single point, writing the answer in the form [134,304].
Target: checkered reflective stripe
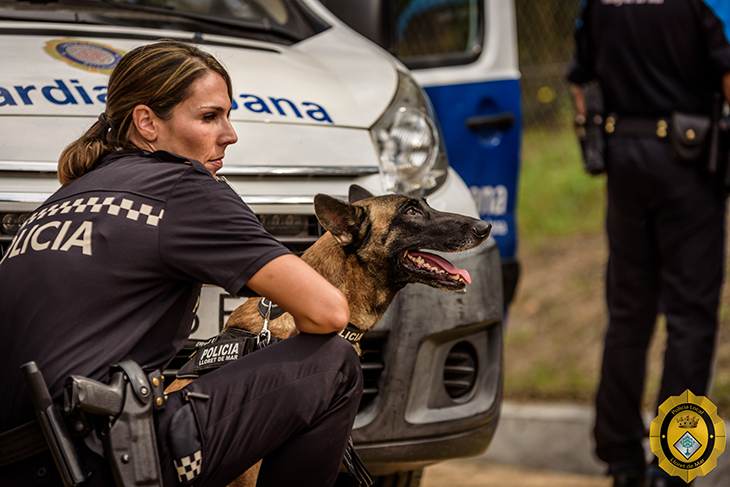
[189,467]
[126,207]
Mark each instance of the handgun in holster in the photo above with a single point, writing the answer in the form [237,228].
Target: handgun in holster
[128,435]
[125,407]
[589,129]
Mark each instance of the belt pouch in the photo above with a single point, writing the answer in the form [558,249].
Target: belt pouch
[689,136]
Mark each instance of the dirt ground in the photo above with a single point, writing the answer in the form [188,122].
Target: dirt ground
[556,325]
[472,473]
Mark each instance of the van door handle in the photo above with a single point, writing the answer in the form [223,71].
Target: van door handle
[499,121]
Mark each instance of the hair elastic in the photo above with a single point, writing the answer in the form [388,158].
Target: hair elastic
[104,121]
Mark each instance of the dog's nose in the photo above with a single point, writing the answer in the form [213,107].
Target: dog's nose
[482,229]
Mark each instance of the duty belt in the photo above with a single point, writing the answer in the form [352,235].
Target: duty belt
[642,127]
[22,442]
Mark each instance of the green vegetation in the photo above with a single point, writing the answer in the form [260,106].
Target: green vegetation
[556,197]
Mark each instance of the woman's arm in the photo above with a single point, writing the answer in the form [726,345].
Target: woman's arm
[316,305]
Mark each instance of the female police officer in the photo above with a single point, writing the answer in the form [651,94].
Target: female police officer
[109,268]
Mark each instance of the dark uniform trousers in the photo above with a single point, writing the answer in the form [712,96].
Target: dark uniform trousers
[666,233]
[292,404]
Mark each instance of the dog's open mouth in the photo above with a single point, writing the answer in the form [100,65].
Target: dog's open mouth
[435,266]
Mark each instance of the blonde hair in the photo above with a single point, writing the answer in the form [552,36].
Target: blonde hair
[160,76]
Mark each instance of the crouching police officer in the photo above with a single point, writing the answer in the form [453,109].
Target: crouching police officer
[649,81]
[98,293]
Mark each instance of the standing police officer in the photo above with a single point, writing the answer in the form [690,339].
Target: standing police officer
[659,64]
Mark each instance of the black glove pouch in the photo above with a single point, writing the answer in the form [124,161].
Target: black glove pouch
[689,137]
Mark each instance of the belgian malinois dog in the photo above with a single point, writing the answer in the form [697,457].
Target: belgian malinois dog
[370,251]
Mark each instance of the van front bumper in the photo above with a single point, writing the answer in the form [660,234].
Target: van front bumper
[437,393]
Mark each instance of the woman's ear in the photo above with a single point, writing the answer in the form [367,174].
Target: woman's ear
[146,123]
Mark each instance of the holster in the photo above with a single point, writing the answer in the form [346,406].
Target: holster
[130,444]
[128,435]
[590,129]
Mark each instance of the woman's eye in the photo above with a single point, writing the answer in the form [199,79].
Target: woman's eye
[210,116]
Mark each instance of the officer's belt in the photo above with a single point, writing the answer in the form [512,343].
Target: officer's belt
[22,442]
[637,126]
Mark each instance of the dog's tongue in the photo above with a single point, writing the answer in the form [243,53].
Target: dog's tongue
[444,264]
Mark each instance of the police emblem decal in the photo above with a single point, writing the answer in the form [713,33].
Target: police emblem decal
[90,56]
[687,436]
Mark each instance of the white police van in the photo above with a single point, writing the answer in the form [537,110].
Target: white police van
[317,107]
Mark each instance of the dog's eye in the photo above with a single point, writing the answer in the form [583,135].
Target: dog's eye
[412,212]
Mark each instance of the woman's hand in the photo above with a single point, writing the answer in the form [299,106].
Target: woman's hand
[316,305]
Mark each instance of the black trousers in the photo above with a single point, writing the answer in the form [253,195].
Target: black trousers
[291,404]
[666,236]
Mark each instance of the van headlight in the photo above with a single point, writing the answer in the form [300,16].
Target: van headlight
[412,156]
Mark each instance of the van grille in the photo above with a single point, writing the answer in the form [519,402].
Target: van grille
[373,364]
[311,230]
[460,370]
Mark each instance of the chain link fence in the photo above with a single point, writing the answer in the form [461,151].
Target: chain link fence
[545,41]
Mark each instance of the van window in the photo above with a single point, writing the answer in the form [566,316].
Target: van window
[433,33]
[280,21]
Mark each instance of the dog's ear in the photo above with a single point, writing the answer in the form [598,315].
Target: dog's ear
[358,193]
[343,220]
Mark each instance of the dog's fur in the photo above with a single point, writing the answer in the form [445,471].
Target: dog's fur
[368,253]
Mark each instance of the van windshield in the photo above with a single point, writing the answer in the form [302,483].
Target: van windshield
[281,21]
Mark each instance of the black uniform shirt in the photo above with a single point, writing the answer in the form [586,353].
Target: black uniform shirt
[653,56]
[109,268]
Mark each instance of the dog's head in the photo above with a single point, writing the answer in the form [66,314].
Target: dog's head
[388,232]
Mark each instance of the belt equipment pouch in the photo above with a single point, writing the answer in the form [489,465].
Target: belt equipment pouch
[127,404]
[689,136]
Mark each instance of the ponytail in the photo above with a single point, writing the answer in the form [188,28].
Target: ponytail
[159,76]
[82,155]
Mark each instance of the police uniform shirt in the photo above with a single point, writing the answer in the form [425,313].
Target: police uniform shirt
[109,268]
[653,56]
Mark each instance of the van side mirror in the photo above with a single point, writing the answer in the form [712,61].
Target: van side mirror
[374,19]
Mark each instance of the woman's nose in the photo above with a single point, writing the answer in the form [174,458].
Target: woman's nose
[229,135]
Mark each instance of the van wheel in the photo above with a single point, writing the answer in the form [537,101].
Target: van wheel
[401,479]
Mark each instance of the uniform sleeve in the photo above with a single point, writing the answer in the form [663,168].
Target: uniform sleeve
[714,15]
[209,235]
[582,67]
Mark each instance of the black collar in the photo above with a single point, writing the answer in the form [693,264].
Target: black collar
[352,334]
